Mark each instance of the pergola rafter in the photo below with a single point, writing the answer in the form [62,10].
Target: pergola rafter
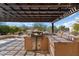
[34,12]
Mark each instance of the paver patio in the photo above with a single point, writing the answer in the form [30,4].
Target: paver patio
[15,47]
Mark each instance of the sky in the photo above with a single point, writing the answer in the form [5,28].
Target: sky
[25,23]
[68,21]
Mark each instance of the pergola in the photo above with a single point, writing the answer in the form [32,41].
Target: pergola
[36,12]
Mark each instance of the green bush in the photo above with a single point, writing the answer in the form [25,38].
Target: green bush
[4,29]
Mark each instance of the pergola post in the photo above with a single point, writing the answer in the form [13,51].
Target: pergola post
[52,27]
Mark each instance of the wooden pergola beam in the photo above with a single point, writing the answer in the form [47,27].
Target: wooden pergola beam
[29,19]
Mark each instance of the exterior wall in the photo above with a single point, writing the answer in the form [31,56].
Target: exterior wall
[66,49]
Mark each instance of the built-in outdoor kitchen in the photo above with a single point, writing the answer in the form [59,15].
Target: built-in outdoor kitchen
[63,47]
[37,42]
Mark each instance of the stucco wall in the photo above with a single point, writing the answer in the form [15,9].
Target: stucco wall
[66,49]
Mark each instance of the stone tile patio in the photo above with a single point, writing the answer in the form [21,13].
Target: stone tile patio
[15,47]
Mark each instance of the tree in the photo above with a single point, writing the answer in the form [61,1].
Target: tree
[76,27]
[39,26]
[24,28]
[55,29]
[49,28]
[14,29]
[63,28]
[4,29]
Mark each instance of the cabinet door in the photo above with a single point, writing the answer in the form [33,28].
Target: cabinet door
[28,43]
[44,44]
